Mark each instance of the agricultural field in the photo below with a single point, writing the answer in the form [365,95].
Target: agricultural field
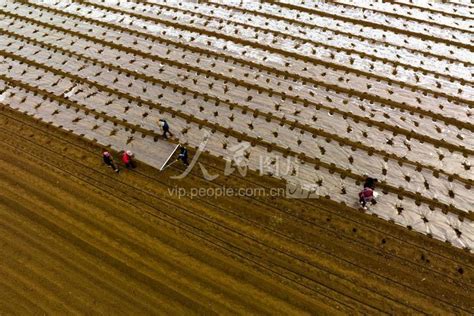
[302,98]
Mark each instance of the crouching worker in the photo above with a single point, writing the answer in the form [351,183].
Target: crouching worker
[368,194]
[127,159]
[108,160]
[183,155]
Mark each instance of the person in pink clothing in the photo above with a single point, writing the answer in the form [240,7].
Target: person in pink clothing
[367,194]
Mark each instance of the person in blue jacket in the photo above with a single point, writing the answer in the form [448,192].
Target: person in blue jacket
[165,127]
[183,155]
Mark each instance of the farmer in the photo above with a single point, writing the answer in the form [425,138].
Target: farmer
[183,155]
[108,160]
[166,128]
[367,194]
[127,159]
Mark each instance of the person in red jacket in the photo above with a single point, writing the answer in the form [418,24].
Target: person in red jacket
[127,159]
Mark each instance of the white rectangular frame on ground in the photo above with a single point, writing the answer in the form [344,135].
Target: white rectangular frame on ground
[169,157]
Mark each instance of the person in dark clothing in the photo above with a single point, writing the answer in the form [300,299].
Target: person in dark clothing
[183,155]
[108,160]
[166,128]
[370,183]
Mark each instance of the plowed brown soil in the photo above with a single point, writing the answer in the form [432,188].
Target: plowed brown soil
[77,238]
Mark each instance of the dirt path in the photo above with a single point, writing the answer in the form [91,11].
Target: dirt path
[78,238]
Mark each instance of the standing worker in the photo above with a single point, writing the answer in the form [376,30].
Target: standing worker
[108,160]
[166,128]
[183,155]
[127,159]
